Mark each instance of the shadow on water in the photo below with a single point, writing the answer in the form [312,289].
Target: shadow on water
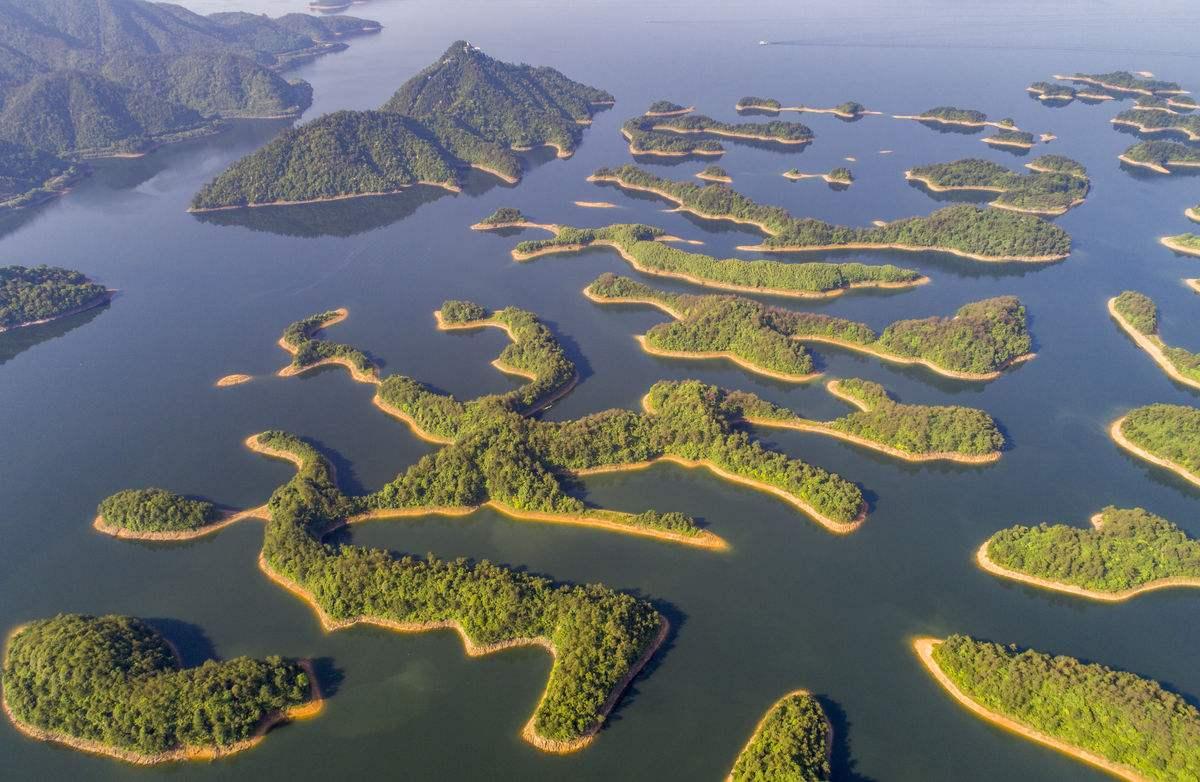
[841,762]
[13,343]
[674,160]
[954,196]
[677,619]
[1014,151]
[192,643]
[958,130]
[329,676]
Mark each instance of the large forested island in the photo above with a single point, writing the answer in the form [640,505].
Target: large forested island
[1146,120]
[963,230]
[113,685]
[1124,553]
[1161,156]
[952,115]
[982,339]
[1055,185]
[465,110]
[791,743]
[647,249]
[1127,725]
[678,135]
[1162,434]
[83,78]
[1137,314]
[37,294]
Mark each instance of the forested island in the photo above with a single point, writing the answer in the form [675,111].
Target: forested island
[647,250]
[1048,91]
[1165,435]
[1055,185]
[1153,121]
[113,685]
[31,295]
[30,176]
[1137,315]
[718,174]
[963,230]
[1124,81]
[952,115]
[792,742]
[299,339]
[140,74]
[467,110]
[978,343]
[839,176]
[668,134]
[1161,156]
[1127,725]
[1188,244]
[665,108]
[1010,138]
[849,110]
[1124,553]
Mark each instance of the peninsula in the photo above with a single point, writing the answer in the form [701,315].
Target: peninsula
[1187,244]
[31,176]
[962,230]
[791,742]
[1161,156]
[849,110]
[1145,120]
[467,110]
[952,115]
[1165,435]
[647,249]
[978,343]
[1055,185]
[1124,81]
[113,685]
[1125,553]
[31,295]
[1050,92]
[1131,727]
[1137,315]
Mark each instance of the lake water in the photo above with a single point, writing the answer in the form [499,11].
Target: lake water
[124,397]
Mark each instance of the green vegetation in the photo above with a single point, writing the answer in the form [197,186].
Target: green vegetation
[1188,241]
[954,114]
[504,215]
[714,172]
[1152,102]
[1170,432]
[1117,715]
[466,110]
[1050,91]
[37,293]
[751,101]
[1163,154]
[644,139]
[841,175]
[1054,185]
[983,337]
[115,680]
[307,351]
[790,744]
[1011,138]
[1124,80]
[1186,102]
[638,244]
[964,229]
[28,175]
[850,107]
[776,130]
[1141,313]
[665,107]
[1148,120]
[156,510]
[1126,549]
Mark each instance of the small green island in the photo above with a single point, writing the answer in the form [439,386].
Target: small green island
[1165,435]
[467,110]
[840,177]
[1146,120]
[30,295]
[1161,156]
[978,343]
[1186,243]
[716,174]
[1010,138]
[1127,725]
[952,115]
[668,135]
[113,685]
[1124,81]
[648,250]
[792,743]
[1137,315]
[1126,552]
[963,230]
[1055,184]
[665,108]
[851,109]
[1051,92]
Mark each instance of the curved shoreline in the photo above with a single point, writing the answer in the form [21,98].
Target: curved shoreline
[482,226]
[725,180]
[1170,243]
[1193,283]
[1128,123]
[1052,211]
[723,354]
[763,721]
[1116,88]
[637,151]
[448,186]
[1119,437]
[898,359]
[99,301]
[1192,213]
[826,247]
[368,376]
[1155,167]
[233,380]
[965,123]
[1152,344]
[673,113]
[828,179]
[1000,142]
[924,648]
[228,518]
[733,134]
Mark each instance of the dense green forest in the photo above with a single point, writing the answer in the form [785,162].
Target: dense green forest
[755,102]
[665,107]
[987,233]
[1054,184]
[1129,549]
[639,242]
[842,175]
[1127,81]
[85,78]
[156,510]
[115,680]
[1163,153]
[645,140]
[504,215]
[775,130]
[1141,313]
[1117,715]
[791,744]
[1150,120]
[1050,91]
[713,172]
[954,114]
[299,336]
[1171,432]
[28,174]
[35,293]
[981,338]
[1012,138]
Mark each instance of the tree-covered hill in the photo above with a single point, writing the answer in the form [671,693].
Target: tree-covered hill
[25,172]
[33,294]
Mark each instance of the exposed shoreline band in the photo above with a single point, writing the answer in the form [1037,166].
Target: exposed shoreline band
[1119,437]
[1152,344]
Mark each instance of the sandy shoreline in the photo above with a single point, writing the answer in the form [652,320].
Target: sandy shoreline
[1168,241]
[924,648]
[233,380]
[1119,437]
[673,113]
[1193,213]
[449,186]
[228,518]
[963,122]
[733,134]
[716,178]
[1000,142]
[828,179]
[1144,164]
[898,359]
[763,721]
[1152,344]
[99,301]
[639,152]
[728,356]
[1145,130]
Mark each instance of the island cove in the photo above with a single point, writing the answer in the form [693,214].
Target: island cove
[962,230]
[467,110]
